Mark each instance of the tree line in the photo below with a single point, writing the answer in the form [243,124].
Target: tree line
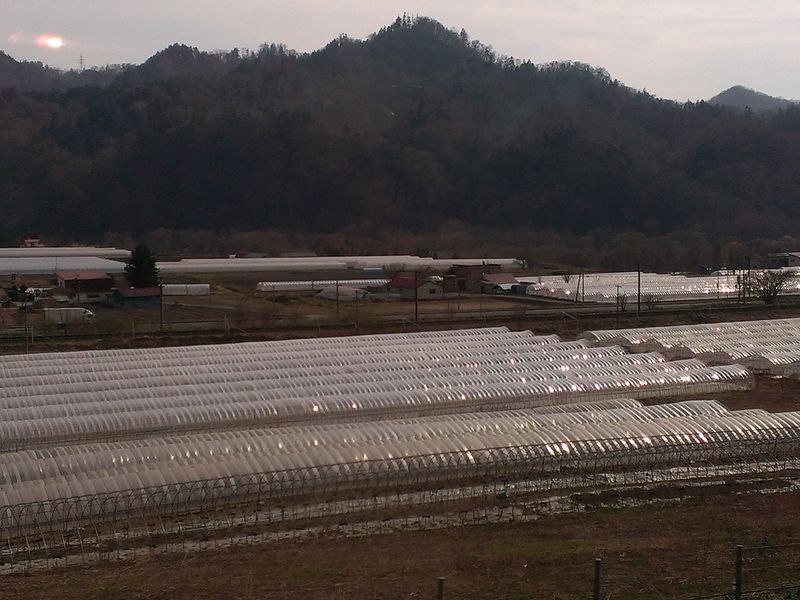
[406,131]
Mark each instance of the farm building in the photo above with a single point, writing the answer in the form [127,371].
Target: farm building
[85,286]
[784,259]
[409,287]
[498,283]
[468,277]
[50,265]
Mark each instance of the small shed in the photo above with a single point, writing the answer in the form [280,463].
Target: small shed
[85,286]
[407,287]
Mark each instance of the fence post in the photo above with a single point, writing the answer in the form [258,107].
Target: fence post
[598,574]
[440,588]
[737,583]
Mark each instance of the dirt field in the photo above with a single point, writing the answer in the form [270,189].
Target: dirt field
[658,551]
[123,335]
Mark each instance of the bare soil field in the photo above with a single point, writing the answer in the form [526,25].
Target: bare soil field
[678,547]
[566,324]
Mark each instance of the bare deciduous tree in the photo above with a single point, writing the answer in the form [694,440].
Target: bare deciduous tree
[650,301]
[622,301]
[768,285]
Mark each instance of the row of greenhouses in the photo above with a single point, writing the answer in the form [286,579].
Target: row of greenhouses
[770,346]
[59,397]
[655,287]
[327,263]
[318,285]
[327,458]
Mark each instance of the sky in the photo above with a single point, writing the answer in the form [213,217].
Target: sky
[678,49]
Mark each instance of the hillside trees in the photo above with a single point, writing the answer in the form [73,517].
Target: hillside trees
[414,127]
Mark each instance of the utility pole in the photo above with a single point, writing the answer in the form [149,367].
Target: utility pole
[416,298]
[26,328]
[161,305]
[357,310]
[639,291]
[737,582]
[747,288]
[583,287]
[337,297]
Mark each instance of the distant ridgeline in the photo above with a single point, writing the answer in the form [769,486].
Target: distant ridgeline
[741,98]
[410,128]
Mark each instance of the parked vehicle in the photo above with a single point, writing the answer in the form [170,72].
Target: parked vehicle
[64,316]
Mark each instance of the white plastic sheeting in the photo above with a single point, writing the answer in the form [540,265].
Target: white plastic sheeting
[63,251]
[317,285]
[343,293]
[325,263]
[390,450]
[186,289]
[604,287]
[44,265]
[102,394]
[772,346]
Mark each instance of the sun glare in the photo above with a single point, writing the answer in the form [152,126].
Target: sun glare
[50,41]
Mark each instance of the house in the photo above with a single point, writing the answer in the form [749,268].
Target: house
[783,259]
[84,286]
[468,277]
[32,242]
[150,296]
[498,283]
[409,287]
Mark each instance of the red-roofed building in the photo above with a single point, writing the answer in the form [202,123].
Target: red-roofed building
[85,286]
[32,242]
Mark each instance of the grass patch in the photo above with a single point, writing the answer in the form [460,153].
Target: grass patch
[534,548]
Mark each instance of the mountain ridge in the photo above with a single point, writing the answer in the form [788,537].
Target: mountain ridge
[409,129]
[741,98]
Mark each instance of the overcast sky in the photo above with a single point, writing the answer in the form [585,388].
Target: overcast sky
[680,49]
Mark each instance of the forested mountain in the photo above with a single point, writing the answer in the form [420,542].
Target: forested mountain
[33,76]
[409,128]
[741,98]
